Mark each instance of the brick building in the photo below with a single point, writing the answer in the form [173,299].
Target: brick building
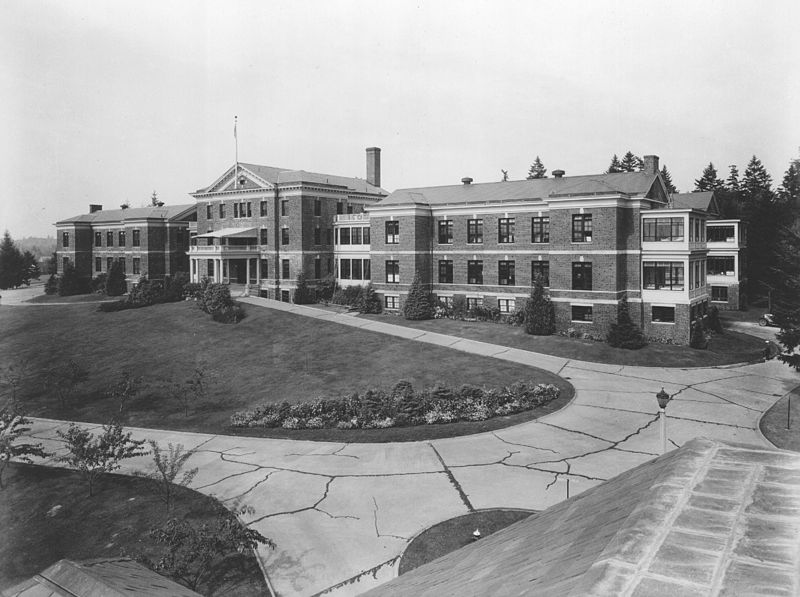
[593,240]
[261,226]
[150,241]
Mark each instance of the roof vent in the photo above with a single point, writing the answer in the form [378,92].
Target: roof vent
[93,207]
[558,173]
[466,180]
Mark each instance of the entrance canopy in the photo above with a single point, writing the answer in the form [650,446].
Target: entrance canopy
[231,233]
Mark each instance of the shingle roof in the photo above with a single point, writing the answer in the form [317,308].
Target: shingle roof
[629,183]
[166,212]
[708,518]
[703,200]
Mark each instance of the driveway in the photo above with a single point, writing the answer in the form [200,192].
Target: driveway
[342,514]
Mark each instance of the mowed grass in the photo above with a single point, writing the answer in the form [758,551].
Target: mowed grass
[113,522]
[781,423]
[269,356]
[724,349]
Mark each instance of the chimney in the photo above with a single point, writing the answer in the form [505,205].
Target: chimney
[651,164]
[466,180]
[374,166]
[93,207]
[559,173]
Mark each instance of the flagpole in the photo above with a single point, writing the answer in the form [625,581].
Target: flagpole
[236,141]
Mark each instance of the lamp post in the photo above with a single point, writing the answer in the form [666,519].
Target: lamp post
[663,399]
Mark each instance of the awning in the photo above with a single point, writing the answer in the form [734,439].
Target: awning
[231,233]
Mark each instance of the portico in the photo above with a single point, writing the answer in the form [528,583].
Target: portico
[230,255]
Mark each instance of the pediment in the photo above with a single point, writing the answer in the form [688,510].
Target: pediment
[238,179]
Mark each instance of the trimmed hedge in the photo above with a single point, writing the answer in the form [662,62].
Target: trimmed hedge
[399,407]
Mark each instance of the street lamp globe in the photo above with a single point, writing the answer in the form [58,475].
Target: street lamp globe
[663,399]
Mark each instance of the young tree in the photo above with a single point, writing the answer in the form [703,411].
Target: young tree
[115,283]
[193,389]
[537,170]
[51,264]
[94,456]
[168,465]
[12,266]
[667,178]
[13,426]
[624,333]
[708,181]
[539,312]
[154,201]
[12,376]
[615,165]
[418,304]
[193,552]
[65,379]
[124,390]
[631,163]
[303,295]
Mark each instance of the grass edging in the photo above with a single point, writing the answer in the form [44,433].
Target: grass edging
[777,427]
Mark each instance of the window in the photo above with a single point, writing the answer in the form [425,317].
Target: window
[366,236]
[698,282]
[339,207]
[317,235]
[284,269]
[263,208]
[721,266]
[663,315]
[317,268]
[344,269]
[445,232]
[662,229]
[263,236]
[392,233]
[581,276]
[505,230]
[65,239]
[540,229]
[121,238]
[242,210]
[392,272]
[505,276]
[98,264]
[109,263]
[65,262]
[697,230]
[506,305]
[473,302]
[208,211]
[329,236]
[317,207]
[135,240]
[581,313]
[355,236]
[137,264]
[285,296]
[445,271]
[264,268]
[210,268]
[284,206]
[447,301]
[122,264]
[344,236]
[355,267]
[249,210]
[474,272]
[392,302]
[719,294]
[349,208]
[109,239]
[541,270]
[284,236]
[221,210]
[582,228]
[721,234]
[663,275]
[98,239]
[475,231]
[367,266]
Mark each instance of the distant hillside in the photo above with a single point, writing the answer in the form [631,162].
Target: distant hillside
[39,246]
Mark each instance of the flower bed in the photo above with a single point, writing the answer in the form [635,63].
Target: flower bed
[399,407]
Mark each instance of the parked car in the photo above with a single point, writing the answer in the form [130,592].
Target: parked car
[766,319]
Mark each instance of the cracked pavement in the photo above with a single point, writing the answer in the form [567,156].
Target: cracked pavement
[342,514]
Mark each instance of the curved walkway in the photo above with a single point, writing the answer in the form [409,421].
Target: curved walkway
[342,514]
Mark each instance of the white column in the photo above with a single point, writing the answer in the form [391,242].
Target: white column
[258,271]
[248,272]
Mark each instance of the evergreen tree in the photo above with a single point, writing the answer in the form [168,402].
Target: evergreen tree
[708,181]
[732,182]
[786,296]
[667,178]
[368,301]
[789,191]
[30,268]
[624,333]
[70,282]
[756,181]
[539,312]
[12,266]
[537,170]
[116,284]
[303,295]
[614,166]
[631,163]
[418,305]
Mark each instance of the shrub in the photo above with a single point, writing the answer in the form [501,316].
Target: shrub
[145,292]
[368,301]
[194,290]
[459,306]
[51,286]
[418,303]
[303,295]
[326,288]
[70,283]
[713,322]
[215,296]
[229,314]
[116,284]
[98,285]
[174,287]
[113,306]
[346,296]
[624,333]
[539,312]
[697,339]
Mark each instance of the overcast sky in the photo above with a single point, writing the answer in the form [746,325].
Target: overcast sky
[104,102]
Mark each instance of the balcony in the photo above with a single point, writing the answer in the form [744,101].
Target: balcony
[224,249]
[364,218]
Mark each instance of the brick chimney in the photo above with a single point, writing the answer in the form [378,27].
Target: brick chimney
[558,173]
[93,207]
[374,166]
[651,164]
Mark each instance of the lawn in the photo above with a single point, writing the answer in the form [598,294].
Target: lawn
[724,349]
[77,298]
[782,426]
[270,356]
[113,522]
[454,534]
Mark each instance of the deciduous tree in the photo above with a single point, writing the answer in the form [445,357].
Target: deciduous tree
[169,464]
[14,426]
